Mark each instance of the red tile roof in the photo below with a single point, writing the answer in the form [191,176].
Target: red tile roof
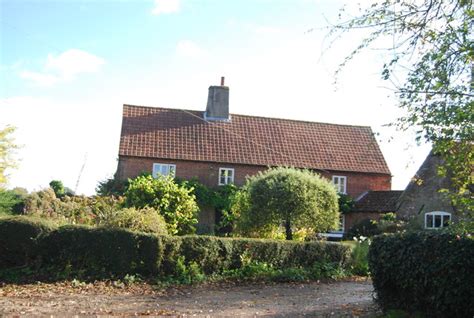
[183,134]
[377,201]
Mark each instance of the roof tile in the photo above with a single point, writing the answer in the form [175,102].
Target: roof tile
[184,134]
[377,201]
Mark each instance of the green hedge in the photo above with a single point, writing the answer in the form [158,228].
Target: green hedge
[101,251]
[431,273]
[106,252]
[19,238]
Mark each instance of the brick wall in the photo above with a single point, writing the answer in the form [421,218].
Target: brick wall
[208,173]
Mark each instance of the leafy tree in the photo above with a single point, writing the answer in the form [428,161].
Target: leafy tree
[432,47]
[175,203]
[58,188]
[112,186]
[12,201]
[7,147]
[293,198]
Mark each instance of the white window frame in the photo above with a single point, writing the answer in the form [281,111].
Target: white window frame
[433,214]
[342,223]
[228,180]
[336,180]
[158,169]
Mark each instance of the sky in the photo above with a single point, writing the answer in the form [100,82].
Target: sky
[68,66]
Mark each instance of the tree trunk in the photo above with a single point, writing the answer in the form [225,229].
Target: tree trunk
[289,234]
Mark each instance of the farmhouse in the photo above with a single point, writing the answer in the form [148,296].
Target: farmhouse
[218,147]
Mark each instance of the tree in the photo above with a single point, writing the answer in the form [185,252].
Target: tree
[58,188]
[294,199]
[175,203]
[111,186]
[7,147]
[433,48]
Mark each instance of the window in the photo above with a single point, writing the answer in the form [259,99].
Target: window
[340,183]
[437,219]
[226,176]
[163,169]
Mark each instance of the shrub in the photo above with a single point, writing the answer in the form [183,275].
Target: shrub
[43,203]
[365,227]
[72,209]
[12,201]
[111,252]
[175,203]
[139,220]
[58,188]
[112,187]
[220,199]
[18,239]
[295,198]
[101,252]
[360,262]
[345,202]
[429,272]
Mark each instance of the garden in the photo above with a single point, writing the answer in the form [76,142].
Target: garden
[143,230]
[147,226]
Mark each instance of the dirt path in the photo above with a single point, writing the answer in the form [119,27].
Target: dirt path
[341,299]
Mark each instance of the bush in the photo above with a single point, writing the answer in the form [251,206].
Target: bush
[360,262]
[175,203]
[43,203]
[18,240]
[12,201]
[110,252]
[72,209]
[139,220]
[428,272]
[112,186]
[365,227]
[100,252]
[59,188]
[295,198]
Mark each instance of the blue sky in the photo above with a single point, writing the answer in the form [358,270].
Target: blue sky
[68,66]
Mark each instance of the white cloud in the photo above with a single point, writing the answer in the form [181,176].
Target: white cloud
[187,48]
[64,67]
[165,7]
[40,79]
[72,62]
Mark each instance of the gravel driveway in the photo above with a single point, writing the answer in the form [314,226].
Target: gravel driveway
[338,299]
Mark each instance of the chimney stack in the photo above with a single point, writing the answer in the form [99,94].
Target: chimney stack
[218,103]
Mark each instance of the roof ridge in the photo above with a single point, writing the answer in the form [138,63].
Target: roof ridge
[254,116]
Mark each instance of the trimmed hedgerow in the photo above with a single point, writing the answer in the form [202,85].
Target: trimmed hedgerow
[18,239]
[424,272]
[101,252]
[111,252]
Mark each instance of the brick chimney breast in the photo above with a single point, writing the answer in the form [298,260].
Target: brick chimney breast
[218,103]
